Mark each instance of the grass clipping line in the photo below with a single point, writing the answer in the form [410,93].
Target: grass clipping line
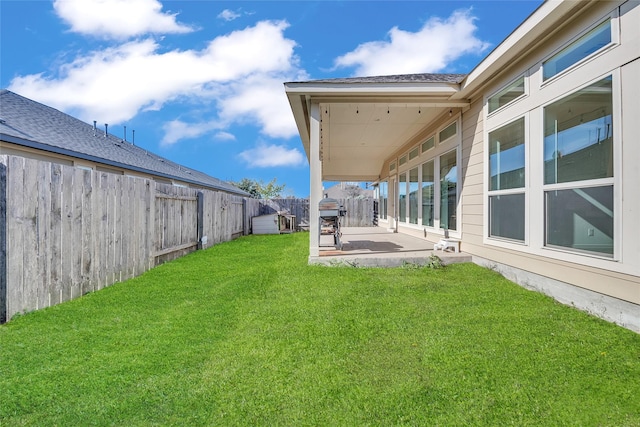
[246,333]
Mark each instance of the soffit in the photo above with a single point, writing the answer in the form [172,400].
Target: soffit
[361,127]
[356,139]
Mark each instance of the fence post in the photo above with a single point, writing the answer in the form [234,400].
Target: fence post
[245,220]
[200,215]
[3,242]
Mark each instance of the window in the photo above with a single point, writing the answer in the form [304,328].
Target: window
[586,45]
[402,160]
[413,196]
[428,193]
[383,197]
[428,144]
[507,181]
[506,156]
[402,198]
[413,153]
[581,219]
[448,190]
[507,216]
[578,170]
[392,166]
[578,136]
[448,132]
[507,95]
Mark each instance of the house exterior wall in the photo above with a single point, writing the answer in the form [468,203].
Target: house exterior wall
[617,275]
[473,174]
[8,148]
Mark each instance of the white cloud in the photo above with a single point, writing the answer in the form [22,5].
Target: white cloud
[225,136]
[437,44]
[261,48]
[116,83]
[263,156]
[260,98]
[176,130]
[117,19]
[229,15]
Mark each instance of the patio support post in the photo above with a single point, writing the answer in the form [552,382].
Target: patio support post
[315,179]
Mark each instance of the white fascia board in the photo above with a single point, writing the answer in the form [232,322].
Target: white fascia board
[371,89]
[299,108]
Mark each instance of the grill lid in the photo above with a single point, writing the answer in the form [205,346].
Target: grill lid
[329,204]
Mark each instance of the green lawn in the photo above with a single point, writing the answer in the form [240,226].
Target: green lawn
[246,333]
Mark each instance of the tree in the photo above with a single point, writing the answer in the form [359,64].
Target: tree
[259,190]
[352,191]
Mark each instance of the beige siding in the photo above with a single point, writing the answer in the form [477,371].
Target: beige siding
[615,279]
[472,192]
[473,199]
[624,287]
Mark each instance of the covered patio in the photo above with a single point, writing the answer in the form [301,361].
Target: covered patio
[351,127]
[377,247]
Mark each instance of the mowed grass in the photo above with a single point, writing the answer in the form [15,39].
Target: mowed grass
[246,333]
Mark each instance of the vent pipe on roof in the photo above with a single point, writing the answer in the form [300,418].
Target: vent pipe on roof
[133,137]
[106,127]
[125,134]
[95,129]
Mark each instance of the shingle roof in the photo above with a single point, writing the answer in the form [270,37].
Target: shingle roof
[31,124]
[398,78]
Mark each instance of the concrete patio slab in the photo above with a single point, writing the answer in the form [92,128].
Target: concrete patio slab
[377,247]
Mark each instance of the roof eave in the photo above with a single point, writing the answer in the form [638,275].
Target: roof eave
[57,150]
[425,94]
[530,32]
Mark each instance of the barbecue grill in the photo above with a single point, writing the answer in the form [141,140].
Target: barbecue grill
[331,212]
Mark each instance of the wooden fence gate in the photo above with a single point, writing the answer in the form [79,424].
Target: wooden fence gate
[176,222]
[236,212]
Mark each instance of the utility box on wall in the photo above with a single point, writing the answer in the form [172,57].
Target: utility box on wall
[274,223]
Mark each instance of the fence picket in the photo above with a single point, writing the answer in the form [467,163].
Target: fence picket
[359,211]
[15,244]
[87,232]
[75,252]
[30,236]
[55,289]
[44,232]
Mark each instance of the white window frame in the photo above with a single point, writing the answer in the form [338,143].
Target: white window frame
[615,181]
[440,148]
[383,214]
[487,193]
[415,149]
[432,137]
[535,208]
[615,40]
[524,76]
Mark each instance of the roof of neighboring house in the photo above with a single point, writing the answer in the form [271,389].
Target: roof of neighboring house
[345,190]
[30,124]
[398,78]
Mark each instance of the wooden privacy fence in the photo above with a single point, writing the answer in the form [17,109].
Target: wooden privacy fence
[360,212]
[66,231]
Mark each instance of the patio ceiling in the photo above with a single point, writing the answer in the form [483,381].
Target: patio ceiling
[363,125]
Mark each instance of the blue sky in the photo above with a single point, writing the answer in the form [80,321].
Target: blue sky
[201,82]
